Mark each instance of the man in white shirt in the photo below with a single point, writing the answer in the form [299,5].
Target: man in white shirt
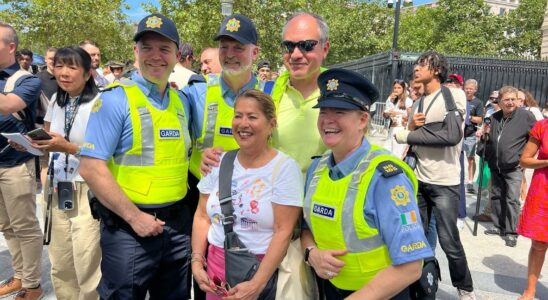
[182,70]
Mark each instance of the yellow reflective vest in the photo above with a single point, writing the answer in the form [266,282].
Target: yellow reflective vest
[154,170]
[217,124]
[333,210]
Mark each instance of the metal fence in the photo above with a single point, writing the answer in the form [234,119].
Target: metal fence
[491,73]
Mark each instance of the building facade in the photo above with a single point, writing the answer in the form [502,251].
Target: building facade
[544,47]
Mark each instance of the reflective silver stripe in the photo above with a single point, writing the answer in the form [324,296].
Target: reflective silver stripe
[312,189]
[184,126]
[212,110]
[147,143]
[353,243]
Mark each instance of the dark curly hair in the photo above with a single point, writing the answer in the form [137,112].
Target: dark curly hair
[436,62]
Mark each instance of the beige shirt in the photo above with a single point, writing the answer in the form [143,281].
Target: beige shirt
[439,165]
[180,76]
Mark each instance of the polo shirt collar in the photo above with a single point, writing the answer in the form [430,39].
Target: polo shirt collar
[11,69]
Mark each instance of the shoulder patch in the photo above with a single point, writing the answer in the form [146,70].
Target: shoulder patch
[389,169]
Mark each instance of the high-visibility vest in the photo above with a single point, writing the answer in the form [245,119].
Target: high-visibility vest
[333,210]
[217,124]
[155,169]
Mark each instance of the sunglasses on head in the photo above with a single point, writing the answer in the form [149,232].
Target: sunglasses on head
[304,46]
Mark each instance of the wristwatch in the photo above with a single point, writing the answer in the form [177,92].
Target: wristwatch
[307,254]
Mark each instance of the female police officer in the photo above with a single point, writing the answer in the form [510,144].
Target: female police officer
[365,236]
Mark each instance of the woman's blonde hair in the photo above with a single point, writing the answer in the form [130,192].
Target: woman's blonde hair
[266,104]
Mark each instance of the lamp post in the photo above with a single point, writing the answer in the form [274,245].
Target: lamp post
[395,53]
[226,7]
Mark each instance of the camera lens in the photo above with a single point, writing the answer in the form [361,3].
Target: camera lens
[487,121]
[68,205]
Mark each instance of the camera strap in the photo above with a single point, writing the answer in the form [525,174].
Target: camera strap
[48,217]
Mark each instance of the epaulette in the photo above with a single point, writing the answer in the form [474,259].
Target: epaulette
[195,78]
[389,169]
[123,81]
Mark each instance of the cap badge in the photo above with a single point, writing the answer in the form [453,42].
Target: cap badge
[332,84]
[154,22]
[233,25]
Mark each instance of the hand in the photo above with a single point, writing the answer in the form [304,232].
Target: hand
[201,277]
[325,262]
[486,128]
[146,225]
[417,121]
[401,136]
[57,143]
[210,158]
[247,290]
[17,146]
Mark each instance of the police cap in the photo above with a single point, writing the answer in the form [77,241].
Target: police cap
[159,24]
[240,28]
[345,89]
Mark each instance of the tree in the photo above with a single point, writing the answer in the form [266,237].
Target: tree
[523,29]
[44,23]
[356,29]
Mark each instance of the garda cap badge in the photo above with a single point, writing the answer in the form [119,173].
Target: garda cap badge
[233,25]
[400,195]
[154,22]
[332,84]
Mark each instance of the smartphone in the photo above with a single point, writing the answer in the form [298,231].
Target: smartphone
[65,192]
[38,134]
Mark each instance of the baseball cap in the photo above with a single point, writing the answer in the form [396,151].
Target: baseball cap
[240,28]
[159,24]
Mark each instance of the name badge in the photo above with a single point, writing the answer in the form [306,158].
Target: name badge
[324,211]
[225,131]
[170,133]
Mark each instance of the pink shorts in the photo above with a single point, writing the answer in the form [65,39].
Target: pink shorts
[216,266]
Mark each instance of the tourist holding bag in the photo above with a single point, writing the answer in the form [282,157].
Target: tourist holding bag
[261,208]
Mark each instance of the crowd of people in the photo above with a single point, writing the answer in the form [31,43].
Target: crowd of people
[151,170]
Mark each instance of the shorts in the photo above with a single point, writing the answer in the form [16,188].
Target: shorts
[469,146]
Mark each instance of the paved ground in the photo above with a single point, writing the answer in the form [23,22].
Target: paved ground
[499,272]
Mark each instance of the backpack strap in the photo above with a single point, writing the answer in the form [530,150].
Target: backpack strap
[225,190]
[448,97]
[23,115]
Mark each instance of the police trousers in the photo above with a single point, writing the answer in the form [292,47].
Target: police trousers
[334,293]
[132,265]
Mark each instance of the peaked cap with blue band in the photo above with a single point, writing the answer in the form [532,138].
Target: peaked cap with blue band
[345,89]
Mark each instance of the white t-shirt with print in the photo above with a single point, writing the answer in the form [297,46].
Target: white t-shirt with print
[253,192]
[56,116]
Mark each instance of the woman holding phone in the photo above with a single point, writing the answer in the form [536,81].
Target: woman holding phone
[74,249]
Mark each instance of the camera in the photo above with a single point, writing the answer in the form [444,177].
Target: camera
[487,120]
[65,192]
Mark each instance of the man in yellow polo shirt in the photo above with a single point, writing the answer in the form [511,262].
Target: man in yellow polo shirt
[306,45]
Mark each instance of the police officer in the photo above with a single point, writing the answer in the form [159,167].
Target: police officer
[365,237]
[135,159]
[212,100]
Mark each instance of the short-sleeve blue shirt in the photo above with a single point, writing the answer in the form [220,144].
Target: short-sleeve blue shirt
[109,130]
[398,225]
[28,89]
[195,95]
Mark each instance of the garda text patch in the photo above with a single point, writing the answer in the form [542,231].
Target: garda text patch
[324,211]
[412,247]
[170,133]
[225,130]
[388,168]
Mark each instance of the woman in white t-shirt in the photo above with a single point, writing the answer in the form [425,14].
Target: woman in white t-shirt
[267,193]
[74,249]
[396,109]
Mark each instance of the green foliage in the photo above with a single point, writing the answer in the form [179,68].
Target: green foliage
[523,29]
[356,29]
[59,23]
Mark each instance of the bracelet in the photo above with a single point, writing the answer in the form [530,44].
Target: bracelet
[200,260]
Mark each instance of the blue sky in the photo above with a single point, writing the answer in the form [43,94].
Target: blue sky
[136,12]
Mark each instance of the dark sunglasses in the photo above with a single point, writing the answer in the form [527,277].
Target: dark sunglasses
[304,46]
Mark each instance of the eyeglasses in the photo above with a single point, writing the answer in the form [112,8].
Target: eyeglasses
[304,46]
[221,287]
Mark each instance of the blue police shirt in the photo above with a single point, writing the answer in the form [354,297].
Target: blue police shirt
[109,130]
[28,89]
[398,224]
[195,94]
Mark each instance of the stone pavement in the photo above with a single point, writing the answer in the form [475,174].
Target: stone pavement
[499,272]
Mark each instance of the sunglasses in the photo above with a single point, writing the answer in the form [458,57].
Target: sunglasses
[493,99]
[304,46]
[221,287]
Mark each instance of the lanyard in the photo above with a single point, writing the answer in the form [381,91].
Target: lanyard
[69,121]
[70,117]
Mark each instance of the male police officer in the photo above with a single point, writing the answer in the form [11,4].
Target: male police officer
[135,159]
